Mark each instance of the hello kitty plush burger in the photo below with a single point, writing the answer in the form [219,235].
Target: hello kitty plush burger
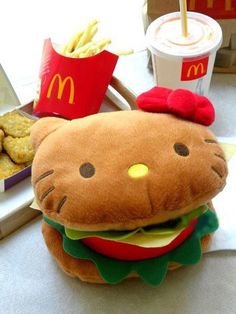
[127,194]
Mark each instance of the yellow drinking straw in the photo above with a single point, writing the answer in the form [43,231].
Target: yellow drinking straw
[183,14]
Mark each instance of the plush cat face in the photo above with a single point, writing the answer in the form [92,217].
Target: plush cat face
[121,170]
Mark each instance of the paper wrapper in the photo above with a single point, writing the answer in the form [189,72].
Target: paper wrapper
[73,87]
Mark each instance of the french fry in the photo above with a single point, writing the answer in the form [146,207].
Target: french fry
[88,34]
[92,33]
[102,43]
[80,38]
[70,46]
[76,53]
[93,50]
[124,52]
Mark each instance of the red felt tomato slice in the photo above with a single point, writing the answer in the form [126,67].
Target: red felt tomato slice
[130,252]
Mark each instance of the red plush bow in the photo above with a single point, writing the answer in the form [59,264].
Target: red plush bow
[180,102]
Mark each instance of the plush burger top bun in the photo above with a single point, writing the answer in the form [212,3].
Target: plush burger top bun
[121,171]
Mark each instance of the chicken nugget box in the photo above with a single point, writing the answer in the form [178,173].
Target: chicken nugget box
[11,172]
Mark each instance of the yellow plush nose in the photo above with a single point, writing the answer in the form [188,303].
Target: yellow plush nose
[138,170]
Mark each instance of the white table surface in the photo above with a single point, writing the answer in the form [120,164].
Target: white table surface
[31,282]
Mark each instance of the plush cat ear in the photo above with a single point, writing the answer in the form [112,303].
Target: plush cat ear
[42,128]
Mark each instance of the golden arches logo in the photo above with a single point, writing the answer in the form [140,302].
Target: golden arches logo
[227,4]
[210,4]
[195,68]
[61,86]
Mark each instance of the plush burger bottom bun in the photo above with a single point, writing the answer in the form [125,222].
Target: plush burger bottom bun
[83,269]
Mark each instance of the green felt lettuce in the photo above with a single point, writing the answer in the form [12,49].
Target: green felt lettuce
[152,230]
[152,270]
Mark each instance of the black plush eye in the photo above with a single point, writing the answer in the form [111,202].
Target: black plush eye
[87,170]
[181,149]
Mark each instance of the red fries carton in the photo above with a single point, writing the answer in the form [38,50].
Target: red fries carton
[73,87]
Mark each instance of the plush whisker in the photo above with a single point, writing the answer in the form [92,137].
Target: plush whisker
[221,157]
[217,172]
[45,194]
[62,202]
[44,175]
[210,141]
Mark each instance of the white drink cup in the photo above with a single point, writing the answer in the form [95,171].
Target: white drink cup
[184,62]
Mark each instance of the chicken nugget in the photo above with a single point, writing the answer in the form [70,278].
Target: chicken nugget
[1,139]
[8,167]
[19,149]
[15,124]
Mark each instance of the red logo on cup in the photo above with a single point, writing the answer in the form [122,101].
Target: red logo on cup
[193,69]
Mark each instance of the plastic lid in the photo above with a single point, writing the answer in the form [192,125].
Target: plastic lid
[164,35]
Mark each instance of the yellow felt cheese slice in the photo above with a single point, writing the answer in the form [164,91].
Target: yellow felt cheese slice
[35,205]
[149,241]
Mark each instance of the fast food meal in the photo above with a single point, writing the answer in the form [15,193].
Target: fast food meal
[81,45]
[128,194]
[16,151]
[79,73]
